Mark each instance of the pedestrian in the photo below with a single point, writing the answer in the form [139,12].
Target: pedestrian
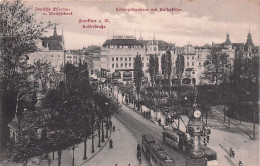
[239,163]
[233,153]
[230,152]
[138,148]
[114,128]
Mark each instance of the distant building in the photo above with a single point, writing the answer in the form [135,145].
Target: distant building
[117,57]
[50,49]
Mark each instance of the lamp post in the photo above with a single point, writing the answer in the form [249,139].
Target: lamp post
[73,159]
[107,109]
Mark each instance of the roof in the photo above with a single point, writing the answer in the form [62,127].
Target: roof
[52,42]
[144,42]
[149,138]
[163,155]
[237,45]
[122,42]
[227,42]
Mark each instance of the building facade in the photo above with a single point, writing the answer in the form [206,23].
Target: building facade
[117,57]
[50,49]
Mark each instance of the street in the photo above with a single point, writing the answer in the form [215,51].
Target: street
[138,125]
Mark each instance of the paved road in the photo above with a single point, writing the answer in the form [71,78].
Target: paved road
[138,125]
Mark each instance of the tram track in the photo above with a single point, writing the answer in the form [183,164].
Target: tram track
[138,126]
[219,116]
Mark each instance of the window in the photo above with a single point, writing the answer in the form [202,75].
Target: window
[129,64]
[187,63]
[143,64]
[116,65]
[125,59]
[192,57]
[188,57]
[121,59]
[192,63]
[113,65]
[199,63]
[193,72]
[51,55]
[116,59]
[198,55]
[129,58]
[121,64]
[147,64]
[147,58]
[112,58]
[58,55]
[150,48]
[154,49]
[125,64]
[142,58]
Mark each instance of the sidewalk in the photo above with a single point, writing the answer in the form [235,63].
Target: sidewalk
[123,152]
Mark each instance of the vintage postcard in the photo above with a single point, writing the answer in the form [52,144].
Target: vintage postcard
[129,83]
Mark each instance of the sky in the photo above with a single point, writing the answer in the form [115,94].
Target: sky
[195,23]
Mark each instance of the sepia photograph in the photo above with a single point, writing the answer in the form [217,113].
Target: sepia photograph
[129,83]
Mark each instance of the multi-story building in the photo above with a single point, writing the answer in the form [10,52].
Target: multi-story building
[50,49]
[195,59]
[117,57]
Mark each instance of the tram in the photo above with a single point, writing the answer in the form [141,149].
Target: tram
[182,141]
[176,138]
[155,153]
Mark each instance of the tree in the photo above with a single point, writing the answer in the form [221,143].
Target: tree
[138,74]
[166,65]
[20,29]
[153,67]
[43,71]
[215,66]
[179,71]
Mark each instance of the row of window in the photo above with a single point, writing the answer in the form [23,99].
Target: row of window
[191,57]
[129,59]
[126,65]
[113,59]
[113,65]
[192,64]
[121,46]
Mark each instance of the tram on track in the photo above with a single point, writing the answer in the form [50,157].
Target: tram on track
[155,153]
[182,141]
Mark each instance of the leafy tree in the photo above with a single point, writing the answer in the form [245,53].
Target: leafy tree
[179,71]
[42,71]
[20,29]
[153,67]
[138,74]
[166,65]
[215,66]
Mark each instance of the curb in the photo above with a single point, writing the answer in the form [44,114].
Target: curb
[138,112]
[98,150]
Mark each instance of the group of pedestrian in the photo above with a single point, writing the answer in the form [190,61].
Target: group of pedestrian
[147,113]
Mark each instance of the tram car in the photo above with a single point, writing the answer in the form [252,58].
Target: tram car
[176,138]
[182,141]
[155,153]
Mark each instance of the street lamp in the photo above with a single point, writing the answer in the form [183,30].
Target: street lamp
[107,109]
[73,159]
